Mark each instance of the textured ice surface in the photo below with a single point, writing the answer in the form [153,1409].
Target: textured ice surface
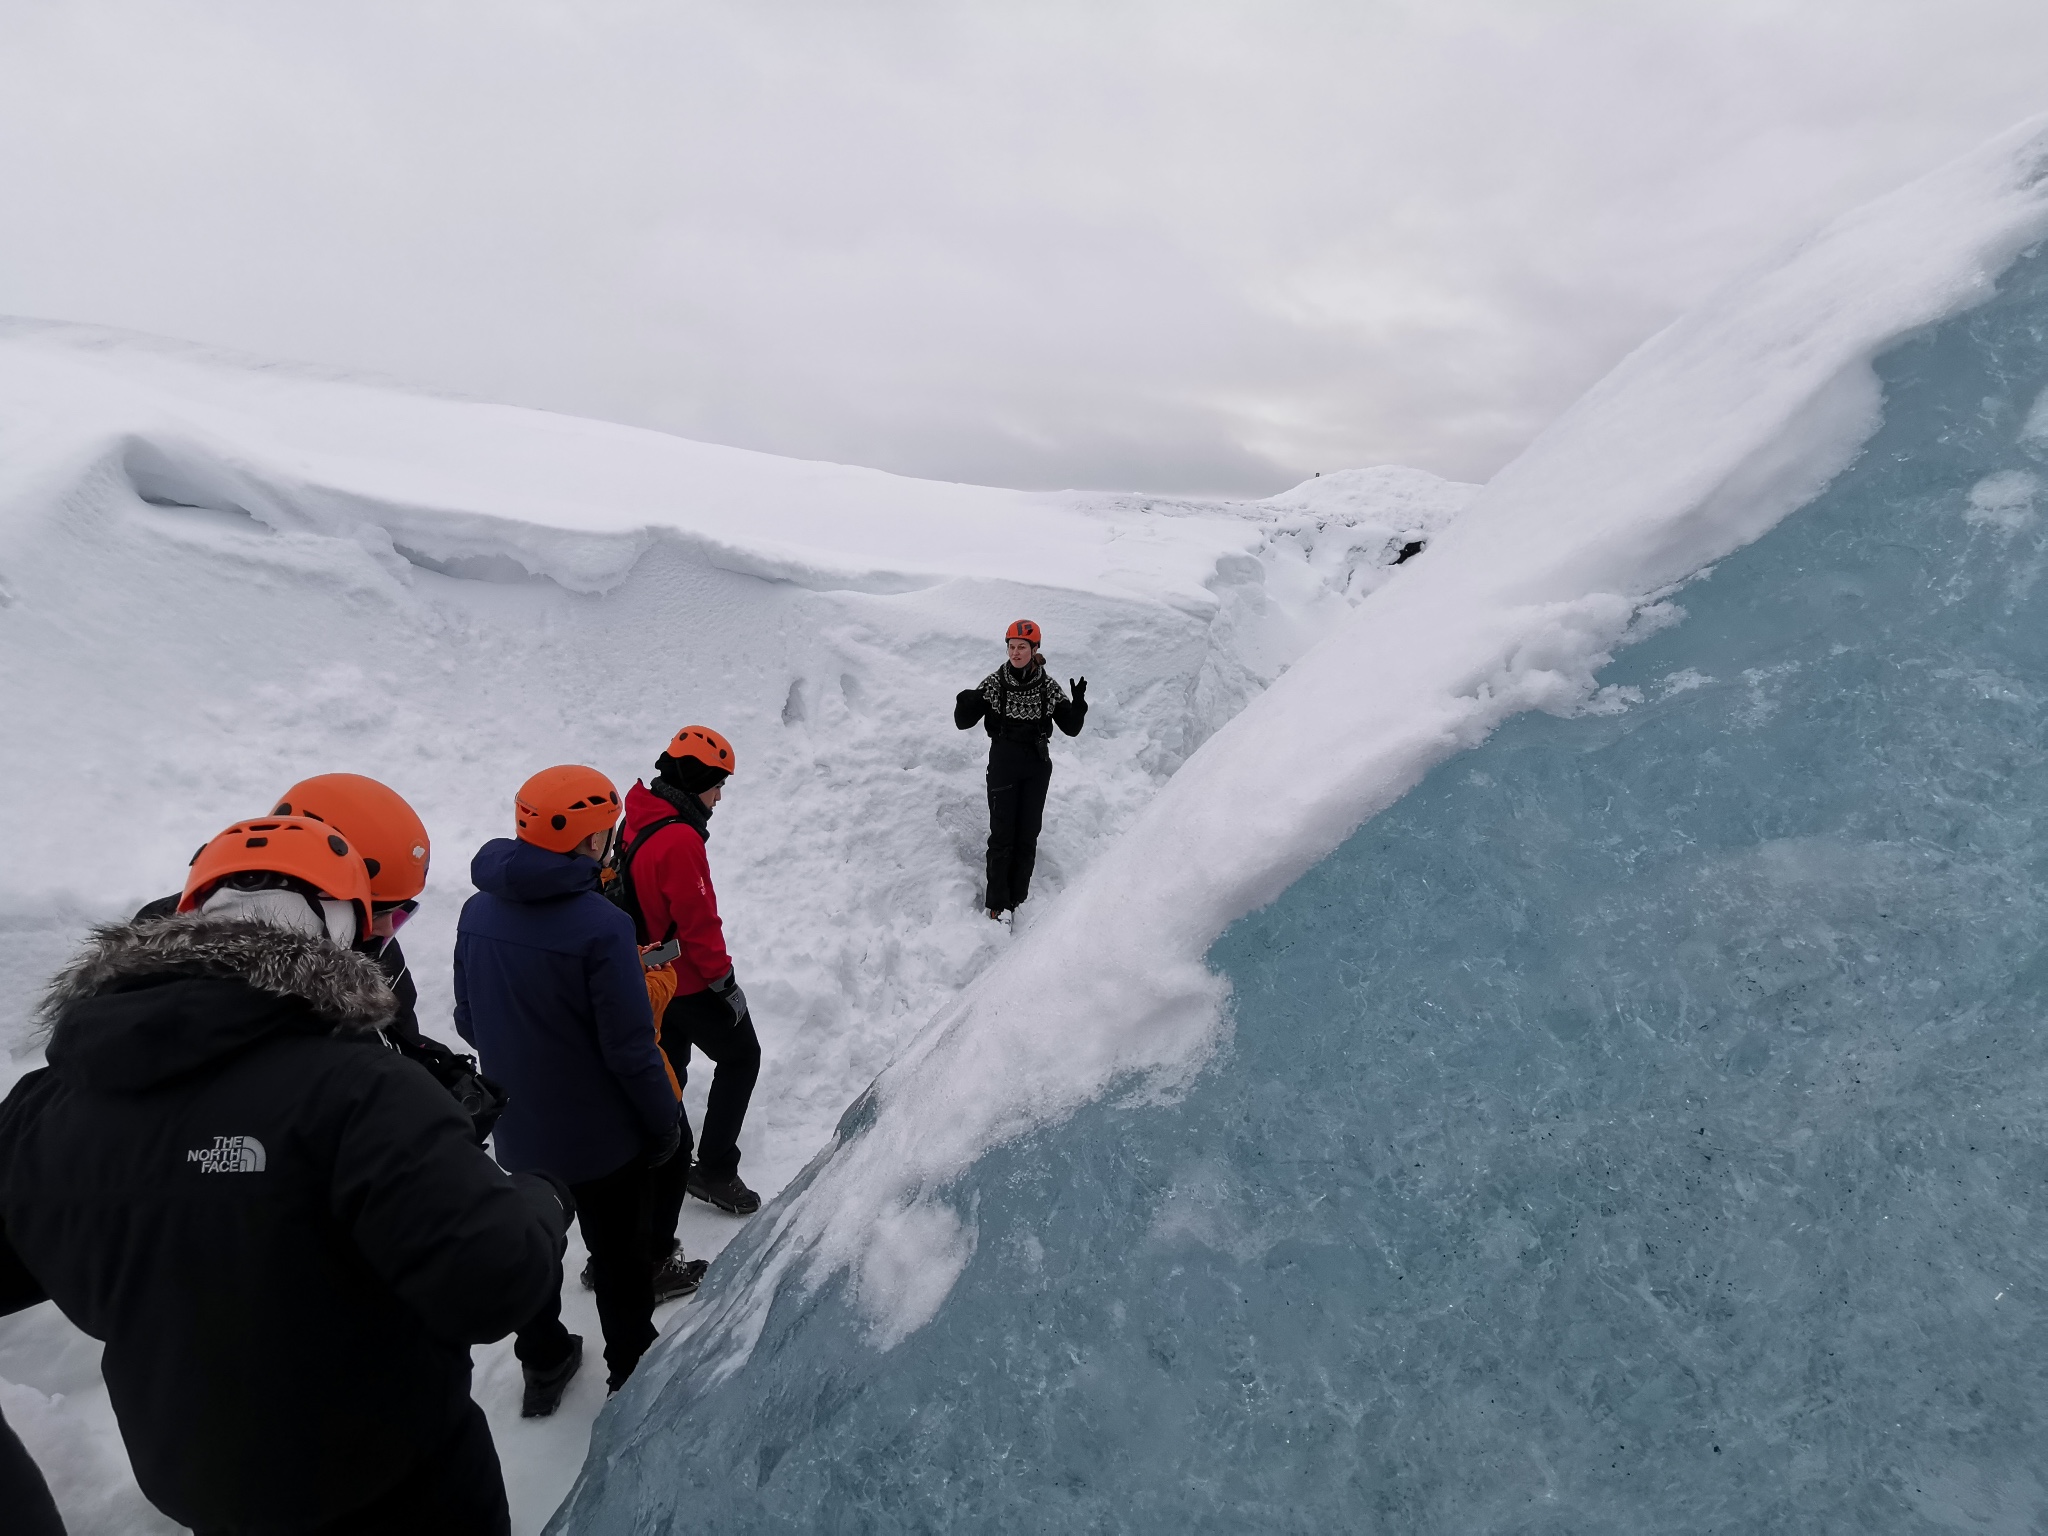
[1640,1126]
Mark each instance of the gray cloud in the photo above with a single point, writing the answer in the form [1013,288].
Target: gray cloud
[1177,246]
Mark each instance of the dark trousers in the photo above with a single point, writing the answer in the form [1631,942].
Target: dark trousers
[25,1500]
[456,1489]
[701,1019]
[1019,772]
[613,1212]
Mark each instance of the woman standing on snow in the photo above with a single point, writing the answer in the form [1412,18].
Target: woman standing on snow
[1019,703]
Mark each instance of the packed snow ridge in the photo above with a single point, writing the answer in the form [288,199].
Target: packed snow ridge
[218,575]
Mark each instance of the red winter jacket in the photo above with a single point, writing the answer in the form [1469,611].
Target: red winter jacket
[672,878]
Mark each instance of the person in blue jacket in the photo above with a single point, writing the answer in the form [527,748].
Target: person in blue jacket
[549,989]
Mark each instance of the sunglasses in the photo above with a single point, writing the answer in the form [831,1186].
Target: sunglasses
[397,911]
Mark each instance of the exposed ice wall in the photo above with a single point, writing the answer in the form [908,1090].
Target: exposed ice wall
[1636,1127]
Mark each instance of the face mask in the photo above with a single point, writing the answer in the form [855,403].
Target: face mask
[341,920]
[317,918]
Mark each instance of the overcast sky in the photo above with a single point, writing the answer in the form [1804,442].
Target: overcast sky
[1181,246]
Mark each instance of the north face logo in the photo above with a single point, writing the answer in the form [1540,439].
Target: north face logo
[229,1154]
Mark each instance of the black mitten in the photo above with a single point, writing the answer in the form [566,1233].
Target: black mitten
[661,1148]
[549,1199]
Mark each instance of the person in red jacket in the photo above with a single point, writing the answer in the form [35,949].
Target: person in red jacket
[667,827]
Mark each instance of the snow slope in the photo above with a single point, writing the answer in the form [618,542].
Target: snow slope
[218,575]
[1698,443]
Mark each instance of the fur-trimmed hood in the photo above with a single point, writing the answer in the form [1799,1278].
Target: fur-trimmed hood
[146,1000]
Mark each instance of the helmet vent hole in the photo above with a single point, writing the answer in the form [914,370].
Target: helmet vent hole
[256,842]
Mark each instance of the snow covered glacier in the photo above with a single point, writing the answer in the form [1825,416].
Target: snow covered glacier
[1567,1058]
[220,574]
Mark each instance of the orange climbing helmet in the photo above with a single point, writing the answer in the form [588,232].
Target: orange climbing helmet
[307,852]
[706,746]
[386,831]
[1024,629]
[559,807]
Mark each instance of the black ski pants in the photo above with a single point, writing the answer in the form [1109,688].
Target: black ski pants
[456,1489]
[614,1212]
[1019,772]
[24,1496]
[701,1019]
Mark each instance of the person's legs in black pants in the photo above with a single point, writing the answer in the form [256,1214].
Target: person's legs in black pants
[1018,774]
[1008,764]
[668,1184]
[1030,817]
[613,1212]
[543,1343]
[702,1019]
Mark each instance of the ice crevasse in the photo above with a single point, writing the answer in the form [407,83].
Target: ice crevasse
[1566,1058]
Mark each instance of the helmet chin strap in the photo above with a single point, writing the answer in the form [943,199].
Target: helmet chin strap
[320,917]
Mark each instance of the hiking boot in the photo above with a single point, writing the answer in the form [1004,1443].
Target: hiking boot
[544,1389]
[677,1276]
[729,1195]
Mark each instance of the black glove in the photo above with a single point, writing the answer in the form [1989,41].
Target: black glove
[549,1199]
[968,708]
[1078,688]
[661,1148]
[727,990]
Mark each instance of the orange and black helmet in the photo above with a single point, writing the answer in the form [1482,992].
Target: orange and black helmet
[559,807]
[706,746]
[1024,629]
[386,831]
[301,850]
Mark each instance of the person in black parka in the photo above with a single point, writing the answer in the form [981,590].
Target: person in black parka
[1019,703]
[282,1231]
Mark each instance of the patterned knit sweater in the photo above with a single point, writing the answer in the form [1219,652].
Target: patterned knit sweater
[1026,705]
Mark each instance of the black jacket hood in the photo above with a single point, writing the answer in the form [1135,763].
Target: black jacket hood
[147,1001]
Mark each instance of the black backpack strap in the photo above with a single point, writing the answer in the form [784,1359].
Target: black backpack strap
[629,898]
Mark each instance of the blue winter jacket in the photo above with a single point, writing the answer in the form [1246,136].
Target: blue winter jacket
[548,988]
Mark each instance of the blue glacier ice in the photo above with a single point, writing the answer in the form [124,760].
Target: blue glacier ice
[1640,1126]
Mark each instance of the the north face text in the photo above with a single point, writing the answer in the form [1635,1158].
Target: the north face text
[229,1154]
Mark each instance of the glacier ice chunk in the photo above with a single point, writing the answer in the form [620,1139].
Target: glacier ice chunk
[1640,1125]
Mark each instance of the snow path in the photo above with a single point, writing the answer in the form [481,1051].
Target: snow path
[218,576]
